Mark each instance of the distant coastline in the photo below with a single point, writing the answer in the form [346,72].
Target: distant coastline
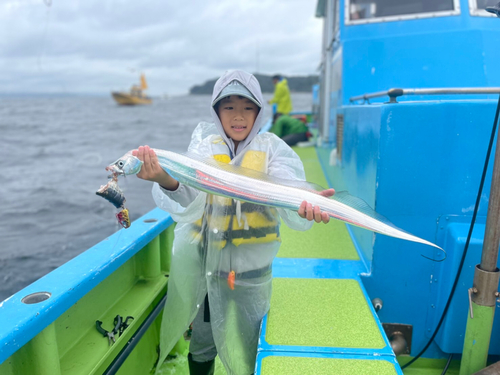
[295,83]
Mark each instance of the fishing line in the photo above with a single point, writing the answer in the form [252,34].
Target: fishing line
[118,238]
[48,3]
[466,247]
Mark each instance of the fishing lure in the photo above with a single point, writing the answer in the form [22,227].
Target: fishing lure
[112,193]
[123,218]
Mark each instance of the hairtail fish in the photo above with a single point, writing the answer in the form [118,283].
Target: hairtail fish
[247,185]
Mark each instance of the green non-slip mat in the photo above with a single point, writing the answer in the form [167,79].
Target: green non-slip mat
[321,312]
[314,172]
[280,365]
[324,241]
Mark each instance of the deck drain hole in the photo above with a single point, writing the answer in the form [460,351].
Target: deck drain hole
[150,220]
[37,297]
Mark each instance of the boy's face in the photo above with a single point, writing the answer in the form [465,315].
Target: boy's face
[237,115]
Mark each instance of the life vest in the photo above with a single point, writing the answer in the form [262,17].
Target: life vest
[241,222]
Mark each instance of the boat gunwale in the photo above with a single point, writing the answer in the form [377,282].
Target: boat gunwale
[72,280]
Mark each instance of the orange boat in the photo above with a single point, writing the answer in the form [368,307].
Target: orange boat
[135,96]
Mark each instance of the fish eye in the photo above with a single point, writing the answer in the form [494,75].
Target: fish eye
[120,163]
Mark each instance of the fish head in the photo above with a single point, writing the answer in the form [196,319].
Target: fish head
[128,164]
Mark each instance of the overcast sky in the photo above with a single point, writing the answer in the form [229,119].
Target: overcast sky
[94,46]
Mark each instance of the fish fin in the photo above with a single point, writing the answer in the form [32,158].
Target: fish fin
[360,205]
[236,169]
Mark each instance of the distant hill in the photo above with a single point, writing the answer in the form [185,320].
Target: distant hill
[295,83]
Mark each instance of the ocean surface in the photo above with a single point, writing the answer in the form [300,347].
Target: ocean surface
[54,151]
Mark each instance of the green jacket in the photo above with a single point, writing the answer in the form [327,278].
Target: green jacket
[282,97]
[286,125]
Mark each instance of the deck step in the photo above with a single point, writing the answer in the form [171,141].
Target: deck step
[323,314]
[323,364]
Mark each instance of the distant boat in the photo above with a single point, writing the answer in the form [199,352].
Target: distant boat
[135,96]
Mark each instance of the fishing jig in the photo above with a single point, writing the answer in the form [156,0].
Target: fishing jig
[123,218]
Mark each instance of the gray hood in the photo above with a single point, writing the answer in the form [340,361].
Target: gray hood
[251,83]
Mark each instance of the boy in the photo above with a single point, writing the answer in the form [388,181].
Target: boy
[223,249]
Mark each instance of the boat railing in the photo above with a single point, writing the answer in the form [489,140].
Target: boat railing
[394,93]
[54,318]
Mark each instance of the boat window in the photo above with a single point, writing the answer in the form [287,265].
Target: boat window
[387,10]
[481,4]
[477,7]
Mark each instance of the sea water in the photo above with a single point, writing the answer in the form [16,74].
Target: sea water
[53,154]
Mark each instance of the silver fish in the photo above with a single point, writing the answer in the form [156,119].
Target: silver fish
[248,185]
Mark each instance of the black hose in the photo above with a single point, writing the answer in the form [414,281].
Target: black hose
[134,340]
[447,364]
[466,247]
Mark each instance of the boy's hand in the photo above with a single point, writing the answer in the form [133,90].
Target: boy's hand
[151,169]
[307,211]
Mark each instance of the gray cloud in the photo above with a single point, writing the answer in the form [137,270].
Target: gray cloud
[94,46]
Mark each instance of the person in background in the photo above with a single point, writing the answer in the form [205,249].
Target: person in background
[289,129]
[281,95]
[220,275]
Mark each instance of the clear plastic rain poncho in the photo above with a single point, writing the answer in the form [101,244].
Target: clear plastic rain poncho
[216,236]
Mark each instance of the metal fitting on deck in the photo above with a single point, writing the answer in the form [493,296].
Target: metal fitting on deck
[377,304]
[485,287]
[398,343]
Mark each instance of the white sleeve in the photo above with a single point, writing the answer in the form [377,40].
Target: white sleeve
[194,200]
[285,163]
[184,194]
